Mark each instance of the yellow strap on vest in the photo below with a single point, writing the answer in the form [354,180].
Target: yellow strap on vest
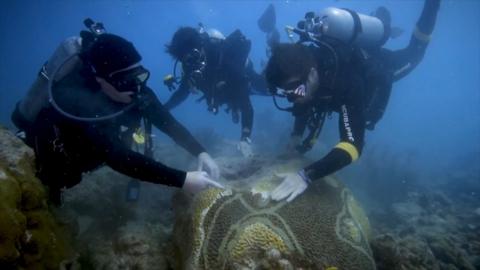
[349,148]
[420,35]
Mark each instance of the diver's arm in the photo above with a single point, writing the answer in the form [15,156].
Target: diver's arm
[179,96]
[143,168]
[124,160]
[352,130]
[405,60]
[164,121]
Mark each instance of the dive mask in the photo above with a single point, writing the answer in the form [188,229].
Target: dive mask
[130,79]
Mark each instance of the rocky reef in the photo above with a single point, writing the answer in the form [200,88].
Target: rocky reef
[30,237]
[241,228]
[428,231]
[410,226]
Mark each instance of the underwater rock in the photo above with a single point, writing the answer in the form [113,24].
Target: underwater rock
[237,229]
[410,253]
[30,237]
[431,231]
[134,246]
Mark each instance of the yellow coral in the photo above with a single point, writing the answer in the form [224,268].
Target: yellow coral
[359,215]
[255,238]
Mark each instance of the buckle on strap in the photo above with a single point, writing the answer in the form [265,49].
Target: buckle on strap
[43,72]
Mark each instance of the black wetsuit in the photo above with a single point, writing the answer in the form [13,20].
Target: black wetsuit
[226,81]
[361,91]
[66,148]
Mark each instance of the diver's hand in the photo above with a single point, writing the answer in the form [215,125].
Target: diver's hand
[293,184]
[198,181]
[245,147]
[206,162]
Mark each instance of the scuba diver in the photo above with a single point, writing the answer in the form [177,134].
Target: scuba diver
[84,104]
[217,67]
[339,65]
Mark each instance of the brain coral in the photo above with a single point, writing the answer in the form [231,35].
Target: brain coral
[324,228]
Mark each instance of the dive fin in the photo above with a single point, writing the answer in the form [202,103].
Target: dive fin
[396,32]
[383,14]
[267,21]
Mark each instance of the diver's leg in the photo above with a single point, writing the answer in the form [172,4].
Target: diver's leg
[246,110]
[405,60]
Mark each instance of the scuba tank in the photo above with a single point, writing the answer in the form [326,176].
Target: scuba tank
[37,96]
[351,27]
[64,60]
[343,25]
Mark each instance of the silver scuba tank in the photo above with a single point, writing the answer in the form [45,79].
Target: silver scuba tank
[351,27]
[37,96]
[215,34]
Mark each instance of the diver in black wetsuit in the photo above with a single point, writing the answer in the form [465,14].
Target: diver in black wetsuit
[219,68]
[91,107]
[351,79]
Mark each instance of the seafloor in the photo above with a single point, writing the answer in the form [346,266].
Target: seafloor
[414,225]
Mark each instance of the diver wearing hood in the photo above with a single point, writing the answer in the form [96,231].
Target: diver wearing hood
[91,107]
[219,69]
[332,75]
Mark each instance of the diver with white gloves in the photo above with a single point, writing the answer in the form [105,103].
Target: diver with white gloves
[198,181]
[206,162]
[359,94]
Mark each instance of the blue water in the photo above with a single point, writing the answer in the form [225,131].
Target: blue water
[434,112]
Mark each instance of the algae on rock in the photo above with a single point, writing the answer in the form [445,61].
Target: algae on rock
[30,238]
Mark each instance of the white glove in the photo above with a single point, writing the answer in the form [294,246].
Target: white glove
[245,147]
[293,185]
[198,181]
[206,162]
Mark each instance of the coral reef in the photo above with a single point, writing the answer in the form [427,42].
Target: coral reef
[121,234]
[135,245]
[413,227]
[240,228]
[30,237]
[428,231]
